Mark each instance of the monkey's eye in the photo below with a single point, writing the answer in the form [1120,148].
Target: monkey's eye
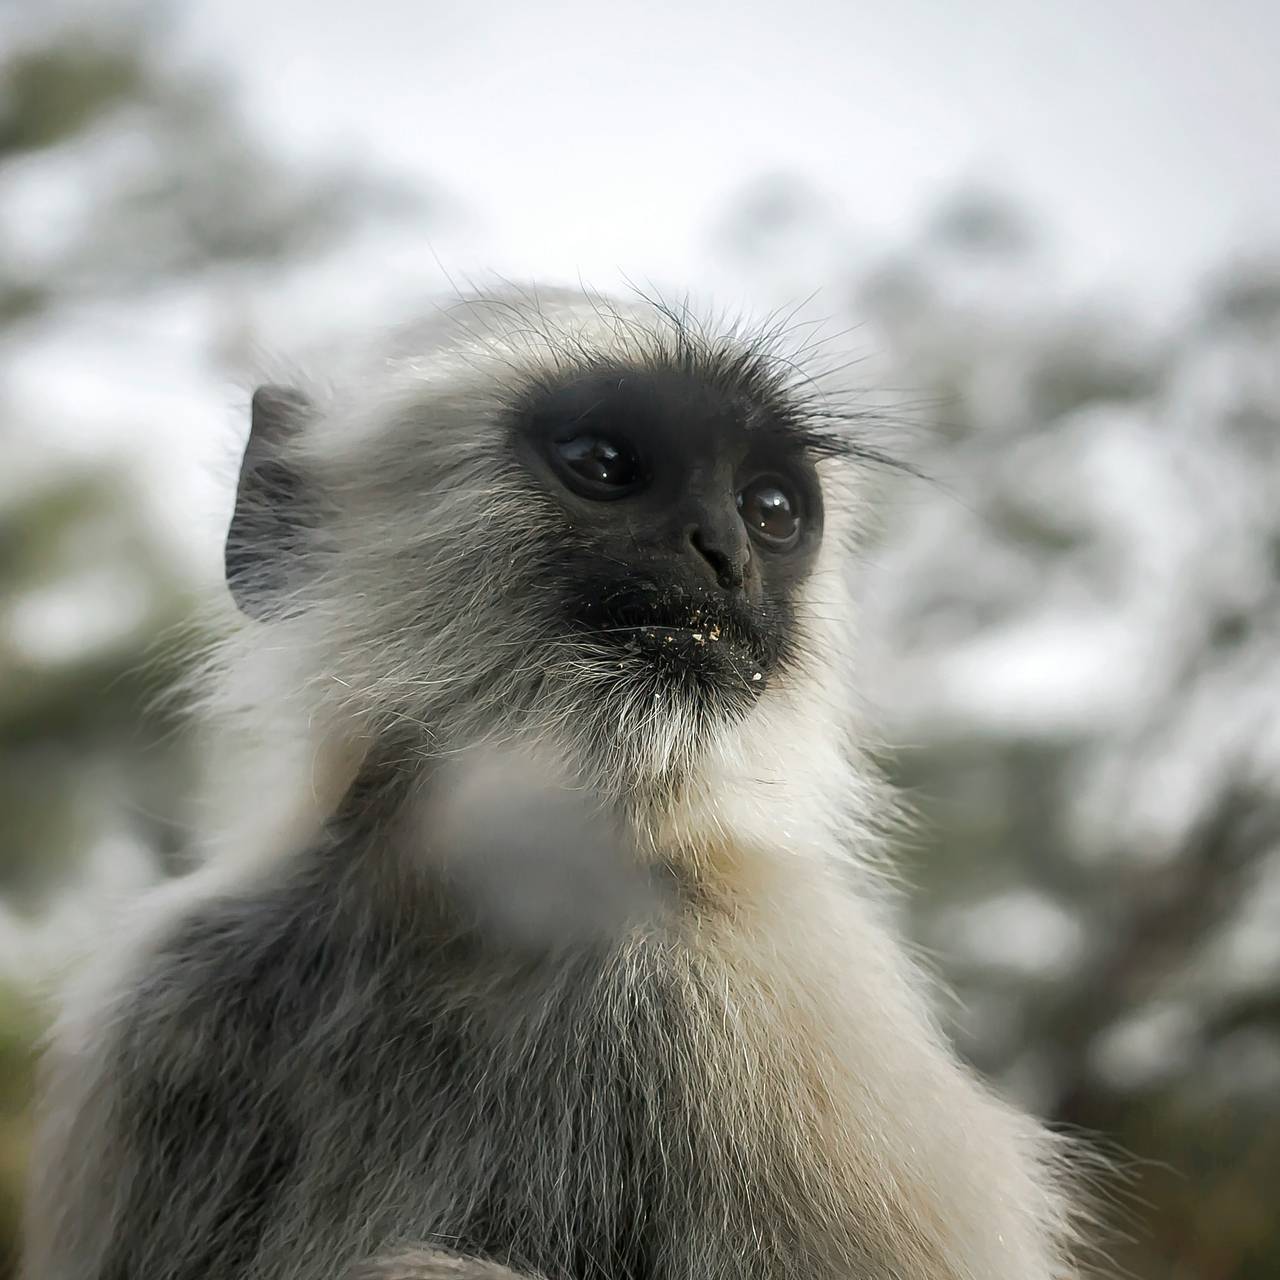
[771,512]
[598,466]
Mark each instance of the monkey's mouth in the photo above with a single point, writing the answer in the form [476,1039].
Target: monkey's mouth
[719,645]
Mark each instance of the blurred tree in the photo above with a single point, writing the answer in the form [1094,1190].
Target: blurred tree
[1080,643]
[125,170]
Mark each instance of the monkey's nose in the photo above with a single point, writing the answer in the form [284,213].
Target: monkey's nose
[724,548]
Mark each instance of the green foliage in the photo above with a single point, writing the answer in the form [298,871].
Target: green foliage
[51,93]
[19,1030]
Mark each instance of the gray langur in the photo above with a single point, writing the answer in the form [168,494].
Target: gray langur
[576,962]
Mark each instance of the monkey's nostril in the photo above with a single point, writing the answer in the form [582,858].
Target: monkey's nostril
[730,569]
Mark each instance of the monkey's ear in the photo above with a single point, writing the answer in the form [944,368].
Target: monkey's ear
[274,517]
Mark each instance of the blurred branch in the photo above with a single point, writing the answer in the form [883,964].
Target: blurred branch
[1169,914]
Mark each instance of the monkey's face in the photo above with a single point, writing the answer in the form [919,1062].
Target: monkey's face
[683,517]
[607,533]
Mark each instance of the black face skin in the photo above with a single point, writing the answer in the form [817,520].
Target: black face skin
[692,517]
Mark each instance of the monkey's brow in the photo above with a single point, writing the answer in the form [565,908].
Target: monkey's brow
[833,436]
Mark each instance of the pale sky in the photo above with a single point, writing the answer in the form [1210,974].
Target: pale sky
[599,137]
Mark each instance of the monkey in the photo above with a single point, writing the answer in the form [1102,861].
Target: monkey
[577,959]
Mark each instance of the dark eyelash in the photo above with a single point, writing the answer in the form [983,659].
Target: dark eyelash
[820,441]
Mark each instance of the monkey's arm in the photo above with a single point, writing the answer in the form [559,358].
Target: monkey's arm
[432,1264]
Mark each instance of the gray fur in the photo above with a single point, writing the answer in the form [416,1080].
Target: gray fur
[640,1015]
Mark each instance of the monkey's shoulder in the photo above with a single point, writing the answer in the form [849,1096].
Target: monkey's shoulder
[297,992]
[365,1073]
[257,976]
